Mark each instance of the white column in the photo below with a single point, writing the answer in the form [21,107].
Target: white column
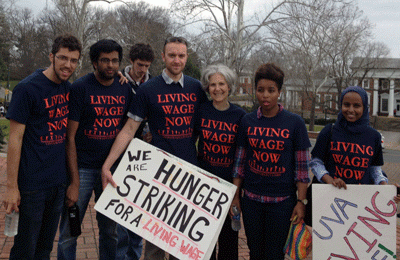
[376,98]
[391,98]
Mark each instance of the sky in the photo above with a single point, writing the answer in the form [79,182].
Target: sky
[384,15]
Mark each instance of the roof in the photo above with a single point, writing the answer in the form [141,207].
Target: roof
[379,63]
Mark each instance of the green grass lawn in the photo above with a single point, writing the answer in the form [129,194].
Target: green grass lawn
[5,127]
[13,83]
[317,128]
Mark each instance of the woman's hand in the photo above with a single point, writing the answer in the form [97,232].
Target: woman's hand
[299,211]
[339,183]
[235,202]
[397,197]
[12,199]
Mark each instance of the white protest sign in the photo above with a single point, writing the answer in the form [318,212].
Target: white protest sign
[354,224]
[167,201]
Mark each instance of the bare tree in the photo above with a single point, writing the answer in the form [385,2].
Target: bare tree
[29,39]
[74,16]
[368,58]
[4,41]
[320,39]
[224,21]
[127,23]
[143,23]
[351,39]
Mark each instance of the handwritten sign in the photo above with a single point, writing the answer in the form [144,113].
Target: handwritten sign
[175,205]
[354,224]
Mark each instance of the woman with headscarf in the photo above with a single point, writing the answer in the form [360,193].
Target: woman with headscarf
[350,137]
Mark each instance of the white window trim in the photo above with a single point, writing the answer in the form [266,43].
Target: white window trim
[317,101]
[383,85]
[328,97]
[365,86]
[384,96]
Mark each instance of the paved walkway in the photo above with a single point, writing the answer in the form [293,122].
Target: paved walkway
[391,139]
[88,241]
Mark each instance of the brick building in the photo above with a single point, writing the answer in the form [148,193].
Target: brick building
[380,78]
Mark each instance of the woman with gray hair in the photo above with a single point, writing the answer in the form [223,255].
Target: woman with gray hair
[216,126]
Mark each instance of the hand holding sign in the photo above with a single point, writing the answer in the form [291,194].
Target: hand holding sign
[175,205]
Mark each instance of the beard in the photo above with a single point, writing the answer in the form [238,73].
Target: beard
[56,73]
[106,76]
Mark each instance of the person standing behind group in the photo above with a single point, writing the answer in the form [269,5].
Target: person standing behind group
[98,108]
[36,166]
[219,118]
[141,56]
[271,164]
[173,90]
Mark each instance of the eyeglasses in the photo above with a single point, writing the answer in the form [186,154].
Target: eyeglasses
[65,59]
[107,60]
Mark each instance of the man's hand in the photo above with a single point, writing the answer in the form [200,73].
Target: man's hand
[12,199]
[72,194]
[123,79]
[147,137]
[106,177]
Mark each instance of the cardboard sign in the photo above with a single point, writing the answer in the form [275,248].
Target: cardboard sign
[169,202]
[354,224]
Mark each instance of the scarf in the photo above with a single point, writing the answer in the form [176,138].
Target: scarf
[359,125]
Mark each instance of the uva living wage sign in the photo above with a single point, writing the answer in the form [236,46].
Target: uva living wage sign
[169,202]
[354,224]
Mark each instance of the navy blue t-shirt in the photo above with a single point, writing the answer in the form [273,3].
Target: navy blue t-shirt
[42,106]
[217,132]
[170,110]
[101,113]
[348,155]
[271,144]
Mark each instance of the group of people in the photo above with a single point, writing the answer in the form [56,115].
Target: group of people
[66,140]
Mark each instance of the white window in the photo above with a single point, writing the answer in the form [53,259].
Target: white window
[369,99]
[397,84]
[297,99]
[385,105]
[337,101]
[385,84]
[328,101]
[365,84]
[317,100]
[245,80]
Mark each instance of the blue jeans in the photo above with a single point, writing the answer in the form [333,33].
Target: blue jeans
[90,180]
[39,214]
[129,244]
[267,226]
